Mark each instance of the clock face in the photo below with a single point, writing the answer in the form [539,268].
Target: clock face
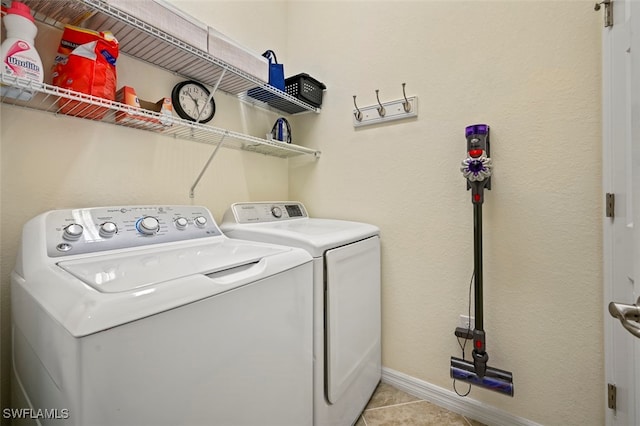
[191,101]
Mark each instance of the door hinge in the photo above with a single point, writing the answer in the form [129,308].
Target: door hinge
[608,12]
[611,396]
[610,201]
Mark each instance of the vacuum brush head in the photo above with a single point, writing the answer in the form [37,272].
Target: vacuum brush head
[493,379]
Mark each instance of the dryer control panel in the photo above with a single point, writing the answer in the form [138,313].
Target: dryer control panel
[76,231]
[267,211]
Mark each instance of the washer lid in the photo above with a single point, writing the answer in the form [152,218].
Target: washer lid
[101,292]
[314,235]
[130,271]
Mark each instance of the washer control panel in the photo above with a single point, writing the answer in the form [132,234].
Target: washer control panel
[77,231]
[268,211]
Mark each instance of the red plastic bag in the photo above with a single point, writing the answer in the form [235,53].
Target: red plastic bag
[86,63]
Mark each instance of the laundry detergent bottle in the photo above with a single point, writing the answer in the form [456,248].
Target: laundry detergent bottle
[19,56]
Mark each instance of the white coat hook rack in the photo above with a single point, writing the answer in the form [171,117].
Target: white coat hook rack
[382,112]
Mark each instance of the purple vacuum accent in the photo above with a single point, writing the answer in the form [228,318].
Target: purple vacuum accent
[476,167]
[476,129]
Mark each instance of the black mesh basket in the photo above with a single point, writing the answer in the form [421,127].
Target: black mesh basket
[305,88]
[302,87]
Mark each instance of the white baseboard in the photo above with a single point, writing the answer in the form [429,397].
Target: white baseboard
[445,398]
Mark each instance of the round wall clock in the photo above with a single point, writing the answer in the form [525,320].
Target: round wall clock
[190,101]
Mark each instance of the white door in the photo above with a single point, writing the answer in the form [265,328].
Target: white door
[621,176]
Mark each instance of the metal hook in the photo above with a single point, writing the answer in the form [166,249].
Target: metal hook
[381,110]
[406,105]
[597,6]
[357,114]
[608,11]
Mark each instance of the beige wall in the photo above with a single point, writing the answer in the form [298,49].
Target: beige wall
[529,69]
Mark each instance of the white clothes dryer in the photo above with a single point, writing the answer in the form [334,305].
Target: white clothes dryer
[149,315]
[346,270]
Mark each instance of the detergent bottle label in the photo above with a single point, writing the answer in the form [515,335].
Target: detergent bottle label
[19,61]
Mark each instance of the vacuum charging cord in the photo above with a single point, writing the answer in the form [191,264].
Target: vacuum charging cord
[463,345]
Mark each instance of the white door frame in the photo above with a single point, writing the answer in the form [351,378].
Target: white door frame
[621,176]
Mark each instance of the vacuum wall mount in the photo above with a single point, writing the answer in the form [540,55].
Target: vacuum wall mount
[477,168]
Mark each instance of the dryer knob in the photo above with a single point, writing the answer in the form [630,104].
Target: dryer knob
[276,212]
[181,223]
[108,229]
[72,232]
[148,225]
[200,221]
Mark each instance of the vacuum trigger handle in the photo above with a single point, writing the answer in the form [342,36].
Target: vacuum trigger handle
[479,354]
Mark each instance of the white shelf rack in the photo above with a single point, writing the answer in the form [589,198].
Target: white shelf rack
[147,43]
[54,99]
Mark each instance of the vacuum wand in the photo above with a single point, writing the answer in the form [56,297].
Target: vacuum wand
[479,354]
[477,168]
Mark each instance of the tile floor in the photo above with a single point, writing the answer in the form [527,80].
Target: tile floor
[392,407]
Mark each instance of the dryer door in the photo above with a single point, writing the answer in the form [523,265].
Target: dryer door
[352,281]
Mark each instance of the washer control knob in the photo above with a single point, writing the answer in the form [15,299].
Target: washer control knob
[108,229]
[181,223]
[64,247]
[72,232]
[148,225]
[276,212]
[200,221]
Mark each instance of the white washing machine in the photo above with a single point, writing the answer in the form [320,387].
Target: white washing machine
[150,316]
[346,270]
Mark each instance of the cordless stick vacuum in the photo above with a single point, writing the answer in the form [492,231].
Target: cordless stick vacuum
[476,168]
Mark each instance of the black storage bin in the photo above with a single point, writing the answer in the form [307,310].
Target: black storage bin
[302,87]
[305,88]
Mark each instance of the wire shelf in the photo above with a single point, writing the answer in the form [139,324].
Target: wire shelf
[147,43]
[29,94]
